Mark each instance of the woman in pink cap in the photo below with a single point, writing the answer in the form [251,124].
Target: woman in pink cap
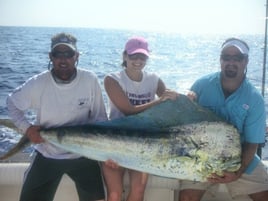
[131,91]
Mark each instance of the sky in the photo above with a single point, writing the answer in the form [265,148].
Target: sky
[181,16]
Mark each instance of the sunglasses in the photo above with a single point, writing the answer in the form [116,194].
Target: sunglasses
[236,58]
[138,56]
[65,54]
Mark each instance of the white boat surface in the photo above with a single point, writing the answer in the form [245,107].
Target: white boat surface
[158,188]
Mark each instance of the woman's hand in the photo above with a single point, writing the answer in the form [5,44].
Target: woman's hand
[169,95]
[112,164]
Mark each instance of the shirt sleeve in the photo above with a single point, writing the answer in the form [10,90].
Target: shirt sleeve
[255,124]
[17,116]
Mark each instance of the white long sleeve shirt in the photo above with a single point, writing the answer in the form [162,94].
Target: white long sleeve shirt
[77,103]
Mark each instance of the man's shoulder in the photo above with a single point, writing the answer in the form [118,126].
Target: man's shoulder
[86,72]
[40,76]
[251,88]
[212,77]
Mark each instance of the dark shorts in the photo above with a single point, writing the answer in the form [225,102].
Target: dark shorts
[44,175]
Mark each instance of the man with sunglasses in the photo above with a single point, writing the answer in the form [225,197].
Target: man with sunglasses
[61,96]
[230,95]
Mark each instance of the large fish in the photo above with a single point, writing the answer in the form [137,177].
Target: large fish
[176,139]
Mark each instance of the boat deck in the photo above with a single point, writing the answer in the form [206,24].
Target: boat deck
[158,188]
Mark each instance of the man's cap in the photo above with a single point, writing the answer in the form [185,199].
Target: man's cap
[137,45]
[63,39]
[240,45]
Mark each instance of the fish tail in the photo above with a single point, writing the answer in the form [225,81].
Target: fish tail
[24,141]
[8,123]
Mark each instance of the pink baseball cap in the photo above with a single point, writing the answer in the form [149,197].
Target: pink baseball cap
[137,45]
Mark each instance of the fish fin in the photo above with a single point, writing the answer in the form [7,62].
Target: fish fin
[24,141]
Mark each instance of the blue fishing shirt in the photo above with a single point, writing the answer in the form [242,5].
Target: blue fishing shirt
[245,109]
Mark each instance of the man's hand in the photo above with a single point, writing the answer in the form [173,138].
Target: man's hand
[191,95]
[227,177]
[34,135]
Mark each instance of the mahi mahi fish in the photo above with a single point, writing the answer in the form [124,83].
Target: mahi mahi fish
[174,139]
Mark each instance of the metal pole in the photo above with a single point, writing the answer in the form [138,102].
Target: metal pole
[259,151]
[264,52]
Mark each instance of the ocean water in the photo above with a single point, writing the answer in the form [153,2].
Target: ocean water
[178,59]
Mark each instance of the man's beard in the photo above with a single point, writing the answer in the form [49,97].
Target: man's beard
[230,73]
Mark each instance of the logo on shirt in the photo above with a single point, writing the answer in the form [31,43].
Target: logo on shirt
[139,99]
[245,106]
[82,102]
